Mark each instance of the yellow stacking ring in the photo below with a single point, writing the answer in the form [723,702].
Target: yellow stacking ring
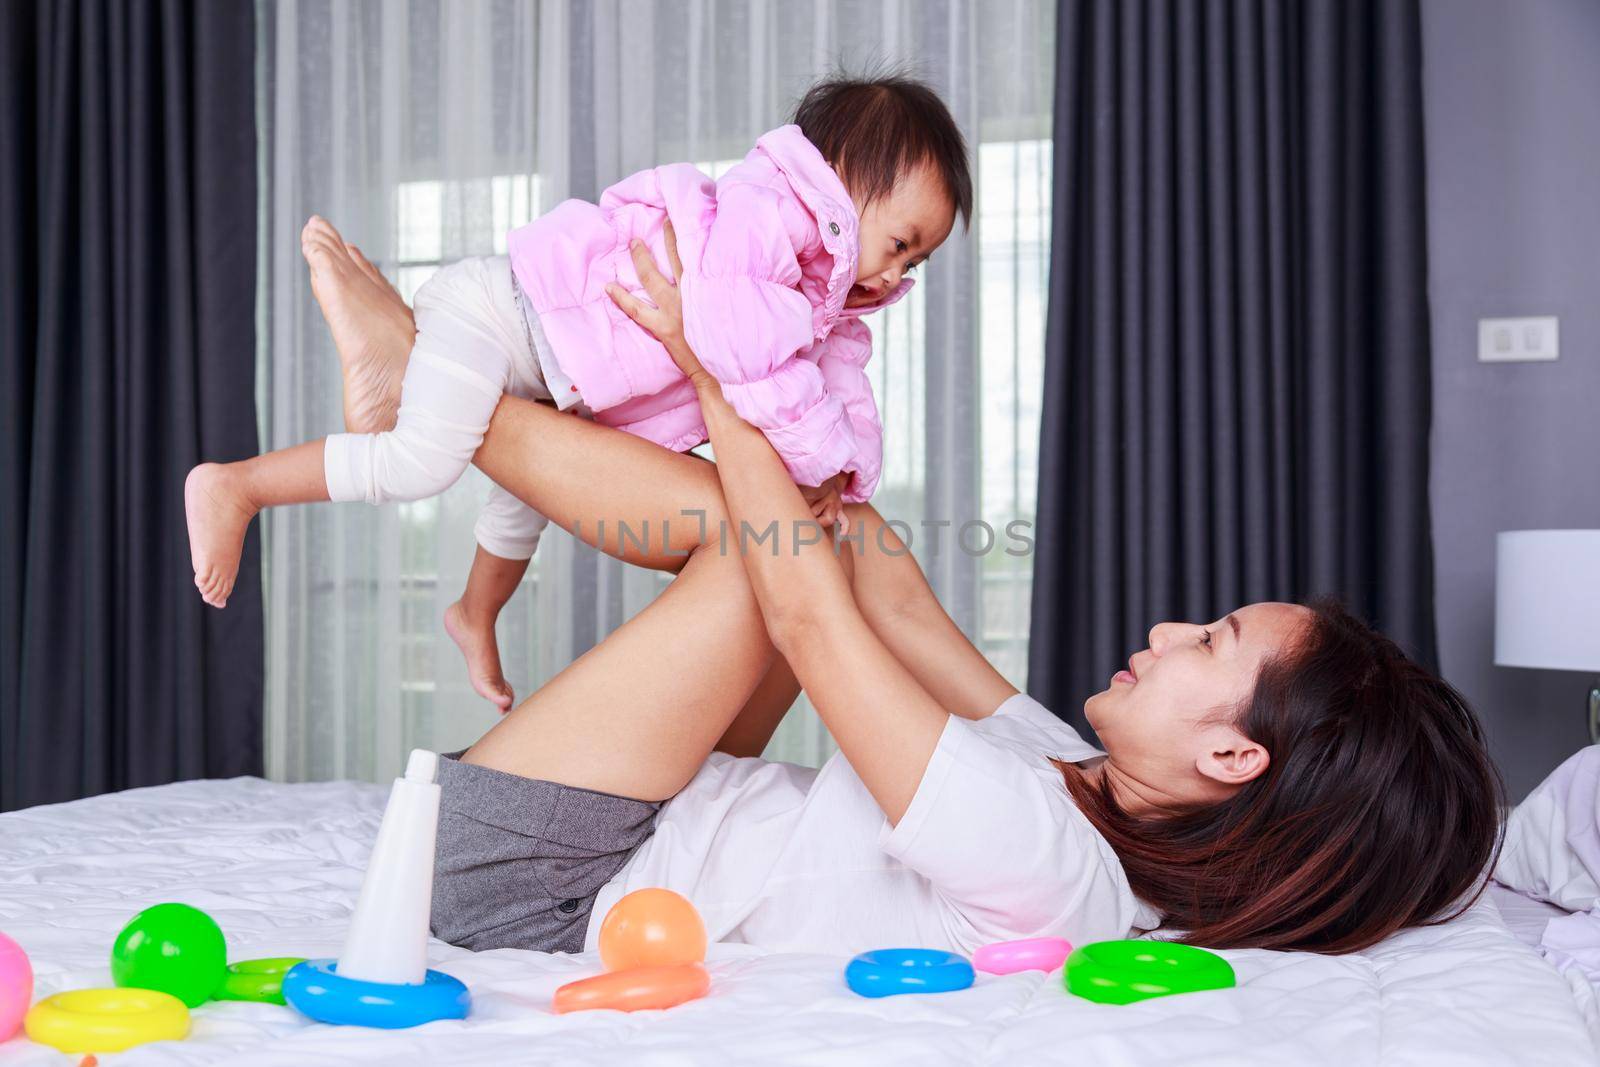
[107,1020]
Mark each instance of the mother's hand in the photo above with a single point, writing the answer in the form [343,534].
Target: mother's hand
[663,318]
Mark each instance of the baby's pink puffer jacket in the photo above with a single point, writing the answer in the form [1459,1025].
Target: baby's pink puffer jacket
[769,254]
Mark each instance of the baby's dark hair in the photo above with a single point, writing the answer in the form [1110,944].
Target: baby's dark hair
[877,129]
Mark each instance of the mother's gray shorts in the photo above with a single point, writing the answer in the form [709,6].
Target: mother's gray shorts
[520,860]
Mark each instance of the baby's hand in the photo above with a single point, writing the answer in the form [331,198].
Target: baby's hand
[826,506]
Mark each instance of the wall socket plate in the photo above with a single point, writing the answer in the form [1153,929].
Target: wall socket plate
[1525,340]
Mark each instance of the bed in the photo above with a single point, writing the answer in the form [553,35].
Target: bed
[279,867]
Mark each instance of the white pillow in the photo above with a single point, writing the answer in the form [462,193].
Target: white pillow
[1552,844]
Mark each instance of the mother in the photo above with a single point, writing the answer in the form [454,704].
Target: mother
[1282,777]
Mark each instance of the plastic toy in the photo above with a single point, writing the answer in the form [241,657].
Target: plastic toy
[382,978]
[107,1020]
[318,985]
[652,928]
[885,972]
[652,944]
[1032,954]
[173,948]
[16,986]
[1121,972]
[258,980]
[635,989]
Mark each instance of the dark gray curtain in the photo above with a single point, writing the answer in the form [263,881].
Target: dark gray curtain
[127,354]
[1237,386]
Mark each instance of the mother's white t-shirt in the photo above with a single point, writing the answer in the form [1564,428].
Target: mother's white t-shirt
[992,848]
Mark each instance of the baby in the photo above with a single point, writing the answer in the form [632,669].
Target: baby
[819,225]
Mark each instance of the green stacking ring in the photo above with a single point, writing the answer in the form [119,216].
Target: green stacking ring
[1121,972]
[260,980]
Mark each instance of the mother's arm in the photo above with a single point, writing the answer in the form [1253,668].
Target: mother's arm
[886,723]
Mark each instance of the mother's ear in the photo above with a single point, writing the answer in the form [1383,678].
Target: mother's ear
[1231,759]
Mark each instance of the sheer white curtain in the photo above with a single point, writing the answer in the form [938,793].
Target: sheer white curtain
[425,129]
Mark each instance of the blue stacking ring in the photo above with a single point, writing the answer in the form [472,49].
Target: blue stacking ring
[887,971]
[315,989]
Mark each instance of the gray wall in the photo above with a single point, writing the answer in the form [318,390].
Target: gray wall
[1512,99]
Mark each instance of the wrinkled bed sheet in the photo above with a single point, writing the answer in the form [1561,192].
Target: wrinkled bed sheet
[279,867]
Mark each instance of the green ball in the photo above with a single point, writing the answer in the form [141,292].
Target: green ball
[1121,972]
[174,948]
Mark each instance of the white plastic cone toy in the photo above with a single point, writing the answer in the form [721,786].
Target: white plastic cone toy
[388,938]
[382,977]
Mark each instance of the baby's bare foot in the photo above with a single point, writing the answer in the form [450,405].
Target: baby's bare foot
[372,327]
[476,640]
[219,512]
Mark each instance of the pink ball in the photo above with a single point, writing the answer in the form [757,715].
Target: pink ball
[16,986]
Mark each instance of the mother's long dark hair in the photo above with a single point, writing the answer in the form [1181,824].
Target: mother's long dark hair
[1379,808]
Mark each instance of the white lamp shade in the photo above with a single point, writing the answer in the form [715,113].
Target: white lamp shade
[1547,599]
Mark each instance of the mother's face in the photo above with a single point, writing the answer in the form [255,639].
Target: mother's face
[1166,721]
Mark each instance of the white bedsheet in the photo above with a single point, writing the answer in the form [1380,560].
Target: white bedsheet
[279,867]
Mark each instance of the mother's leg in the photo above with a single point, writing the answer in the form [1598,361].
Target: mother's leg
[521,860]
[626,496]
[585,472]
[597,482]
[576,473]
[637,714]
[373,330]
[552,461]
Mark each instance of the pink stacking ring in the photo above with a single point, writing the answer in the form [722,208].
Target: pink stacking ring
[1034,954]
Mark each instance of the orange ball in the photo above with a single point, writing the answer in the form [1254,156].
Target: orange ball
[638,989]
[652,928]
